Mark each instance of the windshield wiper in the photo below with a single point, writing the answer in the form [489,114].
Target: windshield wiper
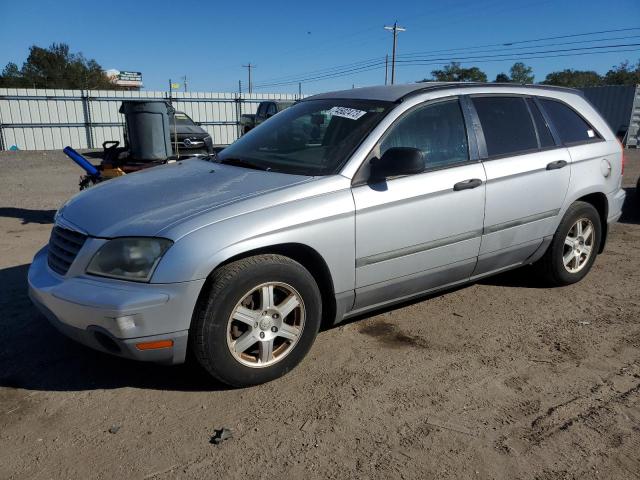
[239,162]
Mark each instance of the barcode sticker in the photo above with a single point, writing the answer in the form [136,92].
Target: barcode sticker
[350,113]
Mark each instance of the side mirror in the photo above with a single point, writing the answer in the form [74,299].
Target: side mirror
[397,161]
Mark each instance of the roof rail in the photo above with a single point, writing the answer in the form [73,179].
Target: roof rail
[443,86]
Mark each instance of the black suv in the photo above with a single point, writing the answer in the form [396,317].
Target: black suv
[187,137]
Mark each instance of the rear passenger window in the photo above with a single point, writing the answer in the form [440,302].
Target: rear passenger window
[571,127]
[437,130]
[544,134]
[506,124]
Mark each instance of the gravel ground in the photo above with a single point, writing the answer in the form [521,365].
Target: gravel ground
[499,379]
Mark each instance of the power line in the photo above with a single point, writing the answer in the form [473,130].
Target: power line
[448,59]
[478,59]
[295,77]
[519,57]
[320,71]
[628,37]
[373,63]
[518,42]
[363,68]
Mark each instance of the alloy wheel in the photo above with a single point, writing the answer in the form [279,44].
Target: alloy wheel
[578,245]
[266,324]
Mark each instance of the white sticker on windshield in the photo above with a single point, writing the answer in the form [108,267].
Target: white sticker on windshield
[350,113]
[591,133]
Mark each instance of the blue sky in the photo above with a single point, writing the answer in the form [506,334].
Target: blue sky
[209,41]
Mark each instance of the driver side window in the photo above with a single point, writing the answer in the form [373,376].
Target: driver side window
[438,130]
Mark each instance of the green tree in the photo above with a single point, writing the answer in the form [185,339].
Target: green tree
[502,78]
[574,78]
[521,73]
[10,76]
[623,74]
[453,72]
[56,67]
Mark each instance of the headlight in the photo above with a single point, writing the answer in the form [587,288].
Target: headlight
[129,258]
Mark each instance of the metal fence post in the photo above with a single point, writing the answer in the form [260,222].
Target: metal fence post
[87,118]
[2,147]
[238,101]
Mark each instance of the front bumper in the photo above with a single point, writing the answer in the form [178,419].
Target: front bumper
[115,316]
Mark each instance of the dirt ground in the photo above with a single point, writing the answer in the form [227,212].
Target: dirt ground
[499,379]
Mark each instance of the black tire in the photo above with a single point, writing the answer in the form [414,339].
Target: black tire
[551,266]
[226,288]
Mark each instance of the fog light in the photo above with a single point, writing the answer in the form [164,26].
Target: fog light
[158,344]
[126,323]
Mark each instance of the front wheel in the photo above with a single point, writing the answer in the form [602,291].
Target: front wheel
[574,246]
[257,321]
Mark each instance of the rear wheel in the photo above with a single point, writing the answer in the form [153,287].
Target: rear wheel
[258,320]
[574,246]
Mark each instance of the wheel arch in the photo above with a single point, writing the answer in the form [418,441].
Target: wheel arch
[599,201]
[309,258]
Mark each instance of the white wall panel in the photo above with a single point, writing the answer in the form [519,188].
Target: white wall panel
[50,119]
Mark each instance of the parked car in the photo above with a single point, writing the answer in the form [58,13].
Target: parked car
[265,110]
[342,204]
[188,138]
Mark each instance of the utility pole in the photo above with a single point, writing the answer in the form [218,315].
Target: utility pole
[299,89]
[170,88]
[395,29]
[249,67]
[386,68]
[184,81]
[240,87]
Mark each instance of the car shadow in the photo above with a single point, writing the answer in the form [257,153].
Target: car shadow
[28,216]
[521,277]
[631,207]
[35,356]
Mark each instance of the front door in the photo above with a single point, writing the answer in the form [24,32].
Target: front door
[417,232]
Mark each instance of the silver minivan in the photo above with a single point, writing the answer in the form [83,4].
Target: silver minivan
[341,204]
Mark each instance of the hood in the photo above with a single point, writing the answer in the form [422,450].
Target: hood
[145,202]
[187,130]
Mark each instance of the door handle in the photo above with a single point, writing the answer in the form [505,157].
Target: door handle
[467,184]
[556,165]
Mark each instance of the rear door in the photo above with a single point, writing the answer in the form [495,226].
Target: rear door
[528,176]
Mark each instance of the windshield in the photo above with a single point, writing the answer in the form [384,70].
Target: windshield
[182,119]
[315,137]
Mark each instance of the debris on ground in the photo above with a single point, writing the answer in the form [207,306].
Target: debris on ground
[114,429]
[221,435]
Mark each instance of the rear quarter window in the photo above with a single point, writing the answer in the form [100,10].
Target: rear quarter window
[544,134]
[506,124]
[571,127]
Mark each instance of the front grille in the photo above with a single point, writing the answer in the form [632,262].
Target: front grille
[64,245]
